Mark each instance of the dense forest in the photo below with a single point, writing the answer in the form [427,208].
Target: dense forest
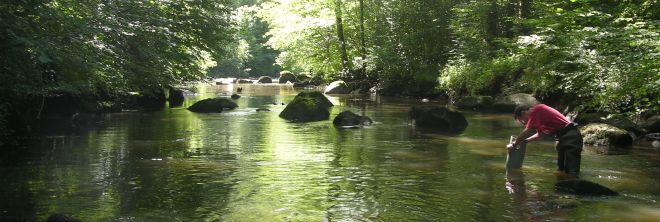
[594,54]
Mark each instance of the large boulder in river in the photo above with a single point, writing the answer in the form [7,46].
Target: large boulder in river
[337,87]
[652,124]
[286,76]
[624,123]
[153,98]
[307,107]
[176,97]
[213,105]
[302,84]
[474,102]
[601,134]
[265,79]
[302,77]
[583,187]
[316,81]
[350,119]
[508,103]
[618,121]
[438,118]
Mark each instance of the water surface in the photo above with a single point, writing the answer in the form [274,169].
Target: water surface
[243,165]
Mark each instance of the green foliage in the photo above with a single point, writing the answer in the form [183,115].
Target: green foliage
[603,53]
[405,40]
[104,47]
[250,56]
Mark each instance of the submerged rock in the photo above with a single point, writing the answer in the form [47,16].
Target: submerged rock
[235,96]
[438,118]
[601,134]
[583,187]
[307,107]
[350,119]
[213,105]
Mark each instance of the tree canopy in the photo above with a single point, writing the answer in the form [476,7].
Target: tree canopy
[595,55]
[103,47]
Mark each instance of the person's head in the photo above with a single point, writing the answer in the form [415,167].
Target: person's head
[520,113]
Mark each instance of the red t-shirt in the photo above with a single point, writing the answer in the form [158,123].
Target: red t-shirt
[546,120]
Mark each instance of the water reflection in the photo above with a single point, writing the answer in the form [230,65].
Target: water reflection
[515,186]
[244,165]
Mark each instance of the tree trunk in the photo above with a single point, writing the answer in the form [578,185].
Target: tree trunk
[509,15]
[491,24]
[340,37]
[363,50]
[525,12]
[525,8]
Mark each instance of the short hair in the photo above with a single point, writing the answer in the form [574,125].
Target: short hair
[518,110]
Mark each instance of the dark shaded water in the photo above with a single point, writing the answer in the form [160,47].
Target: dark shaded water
[243,165]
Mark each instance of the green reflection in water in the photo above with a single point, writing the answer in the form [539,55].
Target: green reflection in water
[243,165]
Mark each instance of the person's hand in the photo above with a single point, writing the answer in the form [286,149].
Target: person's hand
[509,147]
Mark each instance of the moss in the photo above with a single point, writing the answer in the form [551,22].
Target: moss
[306,107]
[214,105]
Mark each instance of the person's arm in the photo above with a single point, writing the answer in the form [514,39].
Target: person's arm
[534,138]
[525,134]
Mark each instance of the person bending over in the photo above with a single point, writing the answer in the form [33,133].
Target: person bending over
[543,120]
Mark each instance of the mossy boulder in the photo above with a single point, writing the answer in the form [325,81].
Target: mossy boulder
[583,187]
[213,105]
[301,84]
[307,107]
[624,123]
[652,124]
[438,118]
[509,102]
[337,87]
[286,76]
[265,79]
[302,77]
[350,119]
[605,135]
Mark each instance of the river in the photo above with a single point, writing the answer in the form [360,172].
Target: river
[243,165]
